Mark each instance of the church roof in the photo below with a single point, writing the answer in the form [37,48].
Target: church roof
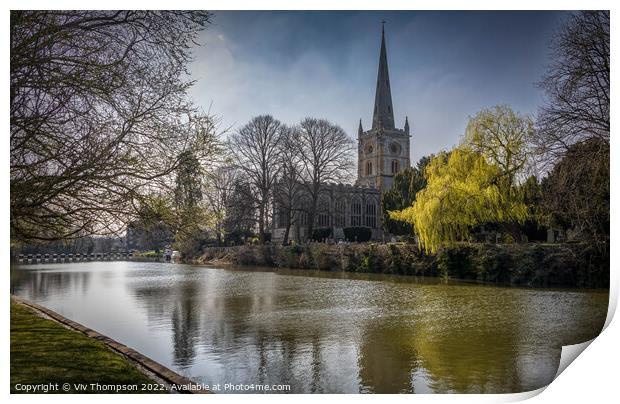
[383,115]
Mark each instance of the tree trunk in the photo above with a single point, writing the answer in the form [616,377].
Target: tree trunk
[261,224]
[218,236]
[310,227]
[288,228]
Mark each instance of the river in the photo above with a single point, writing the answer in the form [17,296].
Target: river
[322,332]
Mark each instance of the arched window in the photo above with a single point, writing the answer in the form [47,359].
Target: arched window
[371,214]
[356,212]
[369,168]
[339,212]
[394,166]
[322,217]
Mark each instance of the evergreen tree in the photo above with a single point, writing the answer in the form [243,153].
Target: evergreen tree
[406,185]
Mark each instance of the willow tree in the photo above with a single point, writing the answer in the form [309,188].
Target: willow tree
[462,192]
[503,137]
[406,185]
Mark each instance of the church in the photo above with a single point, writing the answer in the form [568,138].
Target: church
[382,152]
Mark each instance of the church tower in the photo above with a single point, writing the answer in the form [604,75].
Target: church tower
[383,150]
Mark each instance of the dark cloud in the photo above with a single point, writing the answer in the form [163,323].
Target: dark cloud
[444,67]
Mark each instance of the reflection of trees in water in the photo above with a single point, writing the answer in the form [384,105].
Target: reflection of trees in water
[387,356]
[155,298]
[263,328]
[387,352]
[180,303]
[244,324]
[185,323]
[38,285]
[455,361]
[449,339]
[252,342]
[471,339]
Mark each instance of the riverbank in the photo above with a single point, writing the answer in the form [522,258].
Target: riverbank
[532,264]
[45,353]
[61,356]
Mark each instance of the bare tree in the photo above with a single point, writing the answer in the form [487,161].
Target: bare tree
[575,194]
[288,188]
[325,154]
[99,115]
[240,220]
[256,150]
[576,86]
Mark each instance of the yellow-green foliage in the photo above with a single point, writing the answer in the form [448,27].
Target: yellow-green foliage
[462,192]
[502,136]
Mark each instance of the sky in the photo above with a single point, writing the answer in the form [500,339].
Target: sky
[444,67]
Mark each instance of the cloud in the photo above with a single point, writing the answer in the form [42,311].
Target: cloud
[444,67]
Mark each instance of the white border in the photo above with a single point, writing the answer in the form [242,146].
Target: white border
[592,377]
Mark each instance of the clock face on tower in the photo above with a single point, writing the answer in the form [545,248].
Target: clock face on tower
[395,148]
[369,149]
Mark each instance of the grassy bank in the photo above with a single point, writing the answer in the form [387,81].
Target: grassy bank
[44,352]
[534,264]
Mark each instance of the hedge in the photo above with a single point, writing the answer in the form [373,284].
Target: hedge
[359,234]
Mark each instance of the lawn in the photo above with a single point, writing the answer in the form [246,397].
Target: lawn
[44,352]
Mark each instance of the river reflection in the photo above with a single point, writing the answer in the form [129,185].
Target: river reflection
[322,332]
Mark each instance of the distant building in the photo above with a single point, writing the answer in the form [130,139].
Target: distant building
[383,151]
[131,237]
[143,237]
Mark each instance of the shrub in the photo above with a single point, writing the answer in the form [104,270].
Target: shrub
[288,256]
[594,268]
[321,234]
[527,265]
[360,234]
[192,244]
[350,259]
[394,262]
[558,268]
[370,261]
[265,255]
[576,265]
[456,262]
[494,265]
[324,257]
[244,255]
[237,237]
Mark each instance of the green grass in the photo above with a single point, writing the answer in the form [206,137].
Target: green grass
[149,254]
[43,352]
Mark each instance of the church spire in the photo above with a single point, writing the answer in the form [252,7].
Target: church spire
[360,130]
[406,125]
[383,115]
